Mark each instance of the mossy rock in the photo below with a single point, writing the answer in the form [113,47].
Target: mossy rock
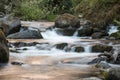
[79,49]
[112,74]
[101,48]
[116,35]
[61,46]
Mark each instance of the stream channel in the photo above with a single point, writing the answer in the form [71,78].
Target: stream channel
[43,61]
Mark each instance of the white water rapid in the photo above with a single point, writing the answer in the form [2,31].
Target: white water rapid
[112,29]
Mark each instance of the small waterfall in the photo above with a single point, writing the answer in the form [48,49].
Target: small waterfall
[49,34]
[87,48]
[76,32]
[112,29]
[53,36]
[72,49]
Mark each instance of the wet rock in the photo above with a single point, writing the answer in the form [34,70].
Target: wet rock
[118,59]
[27,34]
[10,26]
[85,31]
[113,74]
[98,60]
[104,65]
[79,49]
[23,44]
[111,57]
[116,35]
[67,20]
[101,48]
[17,63]
[98,35]
[2,15]
[19,44]
[61,46]
[65,32]
[4,50]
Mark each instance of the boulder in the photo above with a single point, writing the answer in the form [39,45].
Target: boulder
[116,35]
[101,48]
[79,49]
[111,57]
[65,32]
[97,60]
[10,26]
[98,35]
[104,65]
[61,46]
[67,20]
[4,50]
[85,31]
[112,74]
[27,34]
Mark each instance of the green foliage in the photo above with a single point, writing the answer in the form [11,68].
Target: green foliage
[51,17]
[117,22]
[105,74]
[41,9]
[1,6]
[116,35]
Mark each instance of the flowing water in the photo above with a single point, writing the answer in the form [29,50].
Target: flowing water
[112,29]
[45,62]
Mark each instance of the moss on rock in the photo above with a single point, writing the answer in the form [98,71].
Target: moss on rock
[116,35]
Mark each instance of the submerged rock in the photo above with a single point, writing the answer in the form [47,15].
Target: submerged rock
[17,63]
[27,34]
[23,44]
[67,20]
[79,49]
[4,50]
[61,46]
[101,48]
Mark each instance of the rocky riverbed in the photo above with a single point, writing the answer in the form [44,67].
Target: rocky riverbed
[44,51]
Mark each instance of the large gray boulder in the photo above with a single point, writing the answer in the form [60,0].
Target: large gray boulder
[10,25]
[27,34]
[67,20]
